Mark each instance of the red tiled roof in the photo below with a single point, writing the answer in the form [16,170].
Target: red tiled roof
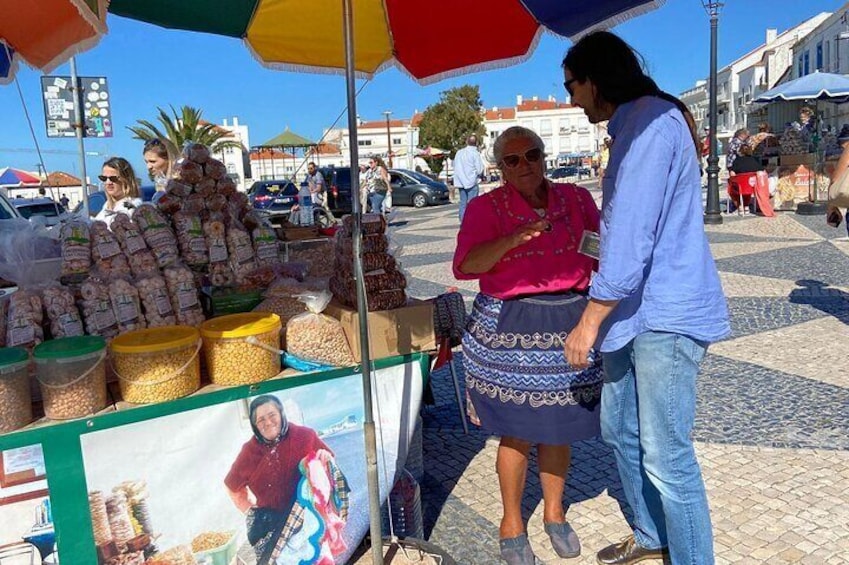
[532,105]
[381,124]
[325,149]
[501,114]
[416,119]
[269,155]
[60,179]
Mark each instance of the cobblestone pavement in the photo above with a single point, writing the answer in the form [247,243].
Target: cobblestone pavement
[772,429]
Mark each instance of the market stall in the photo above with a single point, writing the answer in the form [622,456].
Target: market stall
[807,151]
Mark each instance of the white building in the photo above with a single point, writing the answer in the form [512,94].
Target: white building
[747,77]
[565,129]
[376,137]
[824,49]
[236,160]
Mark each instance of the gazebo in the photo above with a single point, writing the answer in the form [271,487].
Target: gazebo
[288,140]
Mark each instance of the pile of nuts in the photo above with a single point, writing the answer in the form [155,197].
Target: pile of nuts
[157,376]
[234,362]
[210,540]
[318,338]
[73,390]
[135,558]
[119,520]
[15,401]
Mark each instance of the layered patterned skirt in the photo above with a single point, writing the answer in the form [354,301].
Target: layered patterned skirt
[517,377]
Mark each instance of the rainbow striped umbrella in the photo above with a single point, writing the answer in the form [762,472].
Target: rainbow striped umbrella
[428,40]
[46,33]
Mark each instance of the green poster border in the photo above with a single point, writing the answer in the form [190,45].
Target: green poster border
[63,457]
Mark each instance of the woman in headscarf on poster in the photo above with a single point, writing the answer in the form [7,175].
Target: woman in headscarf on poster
[280,482]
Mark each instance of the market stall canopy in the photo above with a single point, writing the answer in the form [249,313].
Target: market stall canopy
[17,178]
[308,35]
[46,33]
[288,139]
[815,86]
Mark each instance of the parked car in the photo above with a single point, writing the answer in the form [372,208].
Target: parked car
[275,198]
[338,183]
[7,211]
[563,172]
[411,188]
[96,200]
[51,211]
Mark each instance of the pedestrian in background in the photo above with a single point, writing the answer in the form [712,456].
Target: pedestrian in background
[468,167]
[64,201]
[741,136]
[378,181]
[658,293]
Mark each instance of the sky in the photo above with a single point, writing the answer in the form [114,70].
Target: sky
[147,66]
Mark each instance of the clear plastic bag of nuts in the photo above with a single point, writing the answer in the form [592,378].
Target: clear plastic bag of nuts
[317,337]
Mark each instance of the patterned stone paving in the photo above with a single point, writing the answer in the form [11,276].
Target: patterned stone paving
[772,425]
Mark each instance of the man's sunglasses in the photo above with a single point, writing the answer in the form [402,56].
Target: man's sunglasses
[104,178]
[531,156]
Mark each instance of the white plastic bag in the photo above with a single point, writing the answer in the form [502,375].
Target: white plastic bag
[317,337]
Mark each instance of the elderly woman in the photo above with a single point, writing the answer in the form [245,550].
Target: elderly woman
[265,475]
[121,187]
[522,242]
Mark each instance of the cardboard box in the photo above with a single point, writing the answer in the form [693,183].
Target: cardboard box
[392,332]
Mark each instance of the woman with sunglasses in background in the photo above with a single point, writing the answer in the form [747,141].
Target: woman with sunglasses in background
[121,188]
[521,241]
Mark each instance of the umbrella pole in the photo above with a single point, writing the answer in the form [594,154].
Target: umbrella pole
[362,307]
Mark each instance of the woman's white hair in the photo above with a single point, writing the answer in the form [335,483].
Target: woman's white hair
[515,132]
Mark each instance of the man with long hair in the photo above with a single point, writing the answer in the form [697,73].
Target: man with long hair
[657,294]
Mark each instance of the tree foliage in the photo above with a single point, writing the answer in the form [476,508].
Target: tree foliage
[179,128]
[450,121]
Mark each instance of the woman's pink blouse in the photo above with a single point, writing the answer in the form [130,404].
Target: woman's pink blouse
[549,263]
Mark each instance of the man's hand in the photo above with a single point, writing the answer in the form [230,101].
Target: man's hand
[578,344]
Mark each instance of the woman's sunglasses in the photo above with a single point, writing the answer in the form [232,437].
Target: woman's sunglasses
[531,156]
[104,178]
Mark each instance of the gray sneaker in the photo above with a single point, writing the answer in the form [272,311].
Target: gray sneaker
[564,540]
[517,551]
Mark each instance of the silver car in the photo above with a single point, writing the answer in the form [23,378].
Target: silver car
[52,212]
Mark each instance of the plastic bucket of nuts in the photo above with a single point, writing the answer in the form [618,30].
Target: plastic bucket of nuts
[157,364]
[71,373]
[15,398]
[233,359]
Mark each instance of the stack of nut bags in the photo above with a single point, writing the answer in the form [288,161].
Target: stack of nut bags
[384,282]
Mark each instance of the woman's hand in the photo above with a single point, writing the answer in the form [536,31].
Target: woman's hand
[528,232]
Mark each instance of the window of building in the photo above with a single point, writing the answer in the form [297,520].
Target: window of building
[397,141]
[545,127]
[564,125]
[528,124]
[493,134]
[828,55]
[363,142]
[807,62]
[565,143]
[819,56]
[584,143]
[801,66]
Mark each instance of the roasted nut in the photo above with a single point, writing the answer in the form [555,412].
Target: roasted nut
[73,390]
[318,338]
[15,401]
[157,376]
[235,362]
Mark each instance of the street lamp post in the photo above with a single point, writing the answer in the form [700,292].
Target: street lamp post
[388,138]
[712,212]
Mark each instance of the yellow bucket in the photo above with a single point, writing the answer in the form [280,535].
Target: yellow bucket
[234,359]
[157,364]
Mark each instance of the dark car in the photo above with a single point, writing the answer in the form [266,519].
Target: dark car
[51,211]
[338,182]
[563,172]
[411,188]
[273,196]
[96,200]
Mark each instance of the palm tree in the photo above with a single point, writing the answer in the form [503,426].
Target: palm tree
[181,128]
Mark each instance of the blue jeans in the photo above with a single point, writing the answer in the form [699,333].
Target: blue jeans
[376,199]
[466,194]
[648,407]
